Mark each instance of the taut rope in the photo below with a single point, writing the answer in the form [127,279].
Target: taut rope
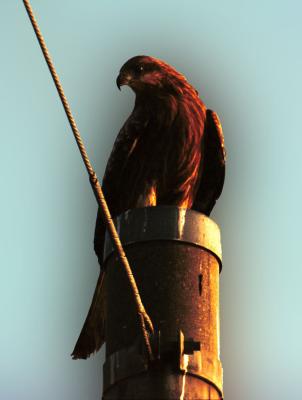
[144,317]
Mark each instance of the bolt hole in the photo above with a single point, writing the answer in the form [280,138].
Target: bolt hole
[200,284]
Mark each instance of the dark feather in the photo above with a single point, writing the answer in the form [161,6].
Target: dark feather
[213,171]
[92,335]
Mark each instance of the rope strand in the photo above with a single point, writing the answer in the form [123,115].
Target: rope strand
[143,316]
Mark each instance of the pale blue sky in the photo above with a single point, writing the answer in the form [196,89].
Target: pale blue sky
[245,60]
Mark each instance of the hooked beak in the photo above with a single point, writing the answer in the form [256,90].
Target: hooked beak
[123,79]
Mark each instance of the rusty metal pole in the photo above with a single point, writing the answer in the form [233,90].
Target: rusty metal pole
[176,259]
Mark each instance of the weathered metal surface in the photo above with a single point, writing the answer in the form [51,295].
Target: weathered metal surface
[166,223]
[182,358]
[179,285]
[161,384]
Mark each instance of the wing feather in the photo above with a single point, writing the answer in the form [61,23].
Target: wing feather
[213,165]
[92,335]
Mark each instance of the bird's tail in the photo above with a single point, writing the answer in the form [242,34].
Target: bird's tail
[92,335]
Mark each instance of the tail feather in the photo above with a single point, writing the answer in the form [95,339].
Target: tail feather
[92,335]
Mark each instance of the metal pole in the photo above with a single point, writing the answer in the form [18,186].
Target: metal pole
[176,259]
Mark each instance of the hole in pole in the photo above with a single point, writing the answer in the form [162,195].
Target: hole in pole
[200,284]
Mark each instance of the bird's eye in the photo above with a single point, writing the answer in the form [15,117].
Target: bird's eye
[140,68]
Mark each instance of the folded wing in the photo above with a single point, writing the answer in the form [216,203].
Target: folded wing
[213,167]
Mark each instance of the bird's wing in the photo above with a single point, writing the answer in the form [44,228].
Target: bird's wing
[213,165]
[117,194]
[92,335]
[93,332]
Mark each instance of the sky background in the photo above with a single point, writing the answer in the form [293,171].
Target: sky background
[245,60]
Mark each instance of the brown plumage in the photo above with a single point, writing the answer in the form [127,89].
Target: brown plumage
[170,151]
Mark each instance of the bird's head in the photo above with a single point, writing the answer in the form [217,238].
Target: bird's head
[146,74]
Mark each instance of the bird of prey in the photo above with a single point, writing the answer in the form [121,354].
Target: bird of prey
[170,151]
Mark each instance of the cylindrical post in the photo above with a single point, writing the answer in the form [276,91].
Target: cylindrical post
[175,255]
